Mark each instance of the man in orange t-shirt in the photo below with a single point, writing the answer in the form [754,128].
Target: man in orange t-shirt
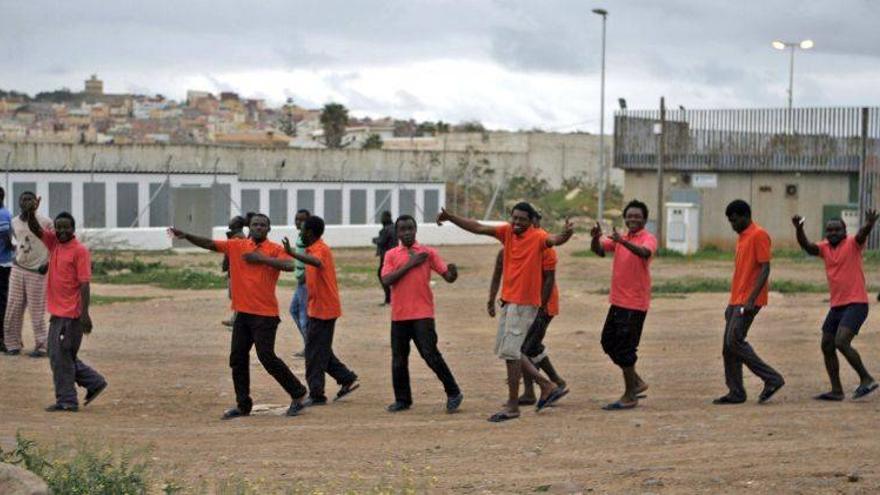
[254,266]
[630,297]
[323,310]
[521,297]
[748,294]
[533,346]
[849,299]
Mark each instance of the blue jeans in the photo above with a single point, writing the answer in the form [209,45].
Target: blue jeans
[298,307]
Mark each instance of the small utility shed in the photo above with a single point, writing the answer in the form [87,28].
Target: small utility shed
[783,162]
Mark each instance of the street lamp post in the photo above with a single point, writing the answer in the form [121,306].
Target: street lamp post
[601,206]
[791,46]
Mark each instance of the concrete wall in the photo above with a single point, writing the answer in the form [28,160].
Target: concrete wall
[553,156]
[765,192]
[155,238]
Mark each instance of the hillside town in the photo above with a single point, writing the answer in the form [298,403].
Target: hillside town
[93,116]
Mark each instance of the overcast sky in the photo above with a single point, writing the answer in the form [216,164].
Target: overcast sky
[512,64]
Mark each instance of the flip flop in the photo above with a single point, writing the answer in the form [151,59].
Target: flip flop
[346,389]
[502,416]
[863,391]
[619,406]
[830,397]
[554,396]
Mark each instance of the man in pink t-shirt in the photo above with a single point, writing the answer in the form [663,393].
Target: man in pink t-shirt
[630,297]
[67,300]
[407,270]
[849,299]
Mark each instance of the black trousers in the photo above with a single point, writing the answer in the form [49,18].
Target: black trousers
[385,288]
[320,359]
[621,335]
[65,337]
[424,335]
[533,345]
[4,294]
[737,352]
[251,330]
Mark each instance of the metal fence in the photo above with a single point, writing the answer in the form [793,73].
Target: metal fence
[843,139]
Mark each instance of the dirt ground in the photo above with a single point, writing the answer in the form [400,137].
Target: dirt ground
[166,360]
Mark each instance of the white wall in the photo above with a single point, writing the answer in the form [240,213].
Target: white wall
[156,238]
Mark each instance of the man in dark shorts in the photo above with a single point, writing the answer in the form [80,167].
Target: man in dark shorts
[849,299]
[748,294]
[522,297]
[533,345]
[630,297]
[254,266]
[407,270]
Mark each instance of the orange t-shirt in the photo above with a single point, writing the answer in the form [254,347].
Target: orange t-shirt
[522,264]
[253,285]
[752,249]
[630,274]
[843,266]
[321,284]
[548,263]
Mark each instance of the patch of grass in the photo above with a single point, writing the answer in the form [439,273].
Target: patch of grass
[84,470]
[101,300]
[689,285]
[112,270]
[88,469]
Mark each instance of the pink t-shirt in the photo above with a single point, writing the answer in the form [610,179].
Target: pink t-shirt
[843,266]
[411,295]
[631,275]
[70,266]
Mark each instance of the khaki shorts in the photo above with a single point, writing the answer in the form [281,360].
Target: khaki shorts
[513,324]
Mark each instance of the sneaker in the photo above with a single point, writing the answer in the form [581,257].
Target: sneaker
[12,352]
[769,391]
[452,403]
[94,393]
[62,408]
[314,402]
[727,399]
[295,408]
[37,353]
[234,413]
[397,406]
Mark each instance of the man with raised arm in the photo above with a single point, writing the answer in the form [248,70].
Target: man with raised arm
[324,309]
[533,345]
[407,270]
[522,297]
[630,296]
[748,294]
[254,266]
[849,299]
[68,293]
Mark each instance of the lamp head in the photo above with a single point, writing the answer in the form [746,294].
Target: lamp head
[601,12]
[806,44]
[779,45]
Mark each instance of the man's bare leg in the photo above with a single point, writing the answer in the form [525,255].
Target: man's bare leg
[843,342]
[528,396]
[630,380]
[547,367]
[530,370]
[832,366]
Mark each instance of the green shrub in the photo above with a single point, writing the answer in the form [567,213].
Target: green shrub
[85,470]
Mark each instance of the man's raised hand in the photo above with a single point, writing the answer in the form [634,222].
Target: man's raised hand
[173,231]
[443,216]
[615,235]
[871,216]
[596,231]
[797,221]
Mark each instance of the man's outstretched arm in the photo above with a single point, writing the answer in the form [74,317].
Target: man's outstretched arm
[468,224]
[870,219]
[805,243]
[561,238]
[195,240]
